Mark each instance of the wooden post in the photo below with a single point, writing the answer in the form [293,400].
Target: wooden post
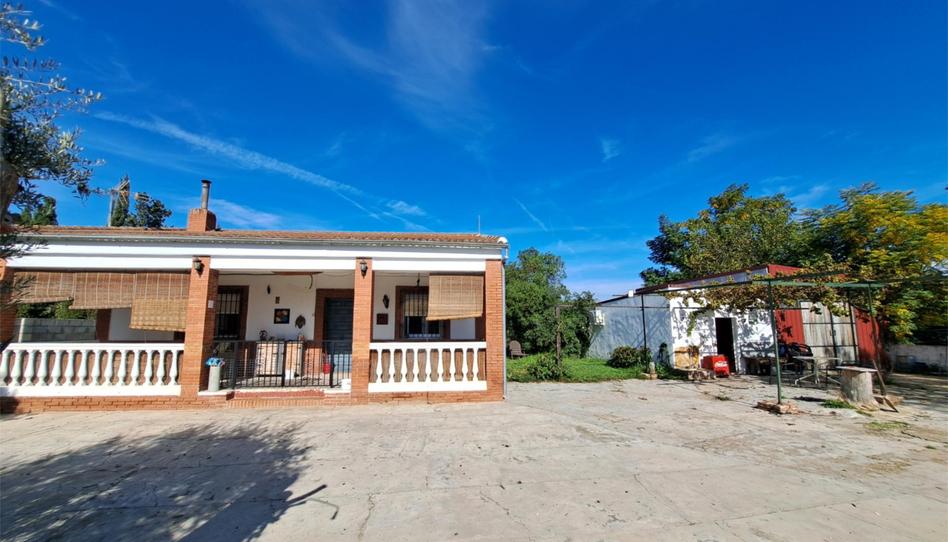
[856,386]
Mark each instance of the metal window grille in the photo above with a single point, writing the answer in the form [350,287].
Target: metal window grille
[229,303]
[415,323]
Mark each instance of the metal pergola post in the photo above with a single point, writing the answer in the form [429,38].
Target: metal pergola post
[773,328]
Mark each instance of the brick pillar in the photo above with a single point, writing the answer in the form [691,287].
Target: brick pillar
[199,329]
[494,327]
[7,306]
[361,330]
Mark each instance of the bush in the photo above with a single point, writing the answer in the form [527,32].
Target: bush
[545,367]
[627,356]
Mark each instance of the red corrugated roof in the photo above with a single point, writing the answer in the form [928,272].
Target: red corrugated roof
[270,235]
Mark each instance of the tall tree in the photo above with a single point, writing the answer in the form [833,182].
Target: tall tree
[735,232]
[889,236]
[32,98]
[534,289]
[149,213]
[42,215]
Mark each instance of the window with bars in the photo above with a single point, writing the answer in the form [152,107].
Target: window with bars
[415,324]
[230,307]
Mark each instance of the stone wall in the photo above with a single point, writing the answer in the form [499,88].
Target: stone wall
[918,358]
[52,330]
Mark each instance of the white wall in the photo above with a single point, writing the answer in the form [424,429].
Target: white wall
[119,330]
[934,357]
[297,293]
[385,284]
[752,332]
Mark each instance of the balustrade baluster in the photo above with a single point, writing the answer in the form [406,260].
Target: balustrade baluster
[70,368]
[451,367]
[149,369]
[15,371]
[404,371]
[56,373]
[474,365]
[463,364]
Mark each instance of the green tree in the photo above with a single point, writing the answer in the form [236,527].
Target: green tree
[735,232]
[889,236]
[32,99]
[43,215]
[149,213]
[534,289]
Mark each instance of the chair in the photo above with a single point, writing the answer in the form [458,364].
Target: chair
[516,351]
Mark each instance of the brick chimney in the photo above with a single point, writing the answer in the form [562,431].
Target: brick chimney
[203,219]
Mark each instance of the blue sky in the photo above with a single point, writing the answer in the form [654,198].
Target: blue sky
[564,125]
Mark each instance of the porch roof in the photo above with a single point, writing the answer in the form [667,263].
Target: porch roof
[267,236]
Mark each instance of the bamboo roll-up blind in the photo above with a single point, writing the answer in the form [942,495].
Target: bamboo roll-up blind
[455,297]
[42,286]
[160,301]
[103,290]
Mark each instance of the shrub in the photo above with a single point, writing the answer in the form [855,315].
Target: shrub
[545,367]
[627,356]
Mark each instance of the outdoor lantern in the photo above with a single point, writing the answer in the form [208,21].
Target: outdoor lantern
[385,300]
[197,264]
[363,267]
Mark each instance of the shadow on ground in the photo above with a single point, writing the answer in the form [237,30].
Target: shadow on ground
[201,483]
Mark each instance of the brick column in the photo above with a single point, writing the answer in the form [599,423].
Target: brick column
[199,329]
[7,306]
[361,330]
[494,321]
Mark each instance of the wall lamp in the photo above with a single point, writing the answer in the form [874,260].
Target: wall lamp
[197,264]
[363,267]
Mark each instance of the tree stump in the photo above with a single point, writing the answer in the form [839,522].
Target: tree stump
[856,386]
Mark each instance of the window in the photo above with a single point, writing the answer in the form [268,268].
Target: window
[230,309]
[413,303]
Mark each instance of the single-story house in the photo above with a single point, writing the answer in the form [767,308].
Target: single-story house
[651,317]
[297,317]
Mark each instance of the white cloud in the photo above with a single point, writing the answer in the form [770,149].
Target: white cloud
[532,216]
[253,160]
[711,145]
[810,197]
[610,148]
[399,207]
[242,216]
[429,54]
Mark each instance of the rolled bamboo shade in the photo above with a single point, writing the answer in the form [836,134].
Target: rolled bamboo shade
[42,286]
[103,290]
[455,297]
[160,301]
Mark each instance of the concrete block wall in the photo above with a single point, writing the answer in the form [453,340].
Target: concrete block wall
[53,330]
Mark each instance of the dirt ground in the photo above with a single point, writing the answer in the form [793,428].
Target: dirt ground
[628,460]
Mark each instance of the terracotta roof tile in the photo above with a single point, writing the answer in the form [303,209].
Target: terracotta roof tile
[274,235]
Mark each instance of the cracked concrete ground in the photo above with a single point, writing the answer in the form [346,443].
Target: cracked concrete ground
[632,460]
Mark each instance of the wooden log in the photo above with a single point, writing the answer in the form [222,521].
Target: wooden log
[856,386]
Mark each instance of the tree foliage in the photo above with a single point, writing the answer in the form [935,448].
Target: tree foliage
[736,231]
[534,289]
[149,213]
[32,99]
[44,214]
[868,236]
[889,236]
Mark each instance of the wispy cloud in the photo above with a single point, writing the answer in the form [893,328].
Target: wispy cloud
[610,148]
[429,54]
[532,216]
[249,159]
[400,207]
[65,12]
[810,197]
[711,145]
[245,217]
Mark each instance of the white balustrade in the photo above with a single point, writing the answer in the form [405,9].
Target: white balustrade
[399,366]
[89,369]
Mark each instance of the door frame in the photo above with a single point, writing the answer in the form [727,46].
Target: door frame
[732,361]
[322,294]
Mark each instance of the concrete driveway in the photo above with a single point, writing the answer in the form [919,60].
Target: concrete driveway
[630,460]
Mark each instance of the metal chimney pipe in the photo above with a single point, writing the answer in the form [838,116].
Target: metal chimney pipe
[205,192]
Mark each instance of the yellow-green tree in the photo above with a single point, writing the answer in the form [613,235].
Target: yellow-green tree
[889,236]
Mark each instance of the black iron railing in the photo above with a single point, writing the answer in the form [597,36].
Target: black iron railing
[274,364]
